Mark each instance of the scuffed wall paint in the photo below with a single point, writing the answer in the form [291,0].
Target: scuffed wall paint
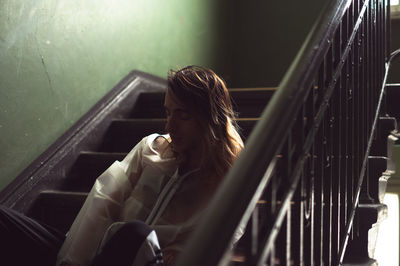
[59,57]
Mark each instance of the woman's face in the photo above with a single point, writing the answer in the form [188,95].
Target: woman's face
[182,125]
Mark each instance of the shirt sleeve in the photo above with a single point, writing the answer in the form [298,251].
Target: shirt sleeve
[101,209]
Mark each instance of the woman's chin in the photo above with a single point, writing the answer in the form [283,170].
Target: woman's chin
[176,147]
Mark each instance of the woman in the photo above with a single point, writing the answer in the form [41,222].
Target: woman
[166,181]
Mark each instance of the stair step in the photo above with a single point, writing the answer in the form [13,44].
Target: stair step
[90,164]
[248,102]
[88,167]
[366,262]
[123,134]
[57,208]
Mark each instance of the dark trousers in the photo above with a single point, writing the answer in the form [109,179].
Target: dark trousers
[24,241]
[124,245]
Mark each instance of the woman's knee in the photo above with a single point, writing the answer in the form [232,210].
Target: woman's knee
[123,246]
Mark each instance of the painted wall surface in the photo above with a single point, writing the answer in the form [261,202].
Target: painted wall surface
[59,57]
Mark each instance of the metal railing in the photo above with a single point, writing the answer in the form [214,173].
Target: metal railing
[299,178]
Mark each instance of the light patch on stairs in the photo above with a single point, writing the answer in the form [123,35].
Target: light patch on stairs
[387,246]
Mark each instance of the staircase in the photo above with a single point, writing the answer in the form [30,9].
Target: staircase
[310,181]
[62,189]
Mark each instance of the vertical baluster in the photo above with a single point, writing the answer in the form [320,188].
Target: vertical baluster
[350,136]
[365,77]
[381,37]
[387,29]
[295,223]
[319,214]
[357,114]
[289,243]
[368,72]
[370,56]
[309,182]
[375,53]
[350,19]
[302,194]
[341,171]
[279,256]
[254,233]
[363,128]
[327,188]
[385,53]
[312,208]
[319,196]
[247,242]
[288,235]
[344,101]
[295,227]
[272,207]
[363,86]
[336,145]
[346,134]
[306,194]
[328,142]
[356,10]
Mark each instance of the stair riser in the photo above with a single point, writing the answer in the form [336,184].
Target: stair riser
[245,103]
[123,135]
[87,168]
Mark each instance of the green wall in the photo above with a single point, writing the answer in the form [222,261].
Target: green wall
[59,57]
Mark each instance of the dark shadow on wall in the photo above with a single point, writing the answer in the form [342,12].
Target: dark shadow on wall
[263,37]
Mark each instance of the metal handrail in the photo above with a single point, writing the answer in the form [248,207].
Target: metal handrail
[254,168]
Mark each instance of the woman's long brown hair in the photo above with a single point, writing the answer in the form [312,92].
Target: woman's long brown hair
[206,95]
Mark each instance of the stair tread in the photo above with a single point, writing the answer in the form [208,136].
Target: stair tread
[246,102]
[163,120]
[100,153]
[94,161]
[393,85]
[123,134]
[361,262]
[46,194]
[250,89]
[57,208]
